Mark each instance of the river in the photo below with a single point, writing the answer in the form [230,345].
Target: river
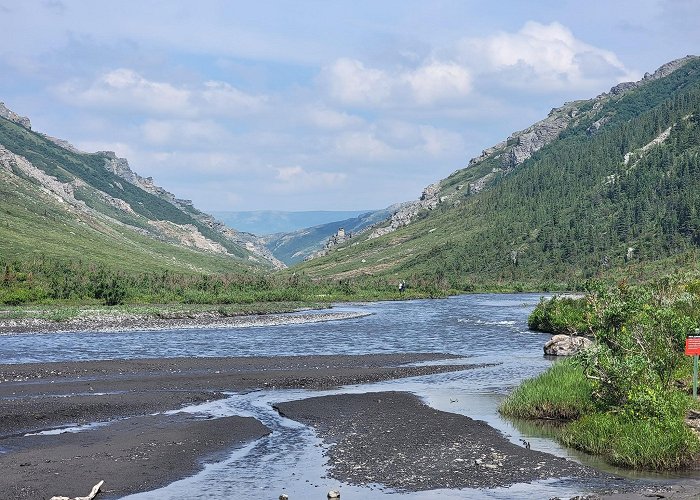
[485,328]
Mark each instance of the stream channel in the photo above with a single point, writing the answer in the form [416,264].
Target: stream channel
[484,328]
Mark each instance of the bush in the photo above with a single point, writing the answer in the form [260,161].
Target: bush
[18,296]
[633,413]
[639,333]
[110,289]
[560,315]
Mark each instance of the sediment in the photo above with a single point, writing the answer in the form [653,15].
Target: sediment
[137,446]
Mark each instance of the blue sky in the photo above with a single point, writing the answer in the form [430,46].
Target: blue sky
[317,105]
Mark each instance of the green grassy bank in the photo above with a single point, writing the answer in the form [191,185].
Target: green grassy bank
[626,398]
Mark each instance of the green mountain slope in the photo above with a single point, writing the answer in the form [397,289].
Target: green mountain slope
[613,188]
[57,202]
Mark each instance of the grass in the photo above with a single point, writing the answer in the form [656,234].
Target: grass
[29,216]
[638,444]
[561,393]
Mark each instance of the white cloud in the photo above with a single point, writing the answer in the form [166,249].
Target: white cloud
[538,57]
[544,57]
[128,90]
[437,142]
[438,81]
[394,140]
[297,179]
[222,98]
[331,119]
[210,163]
[179,132]
[362,145]
[350,82]
[124,88]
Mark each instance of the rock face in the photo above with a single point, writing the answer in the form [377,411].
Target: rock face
[407,212]
[8,114]
[121,168]
[566,345]
[65,191]
[522,145]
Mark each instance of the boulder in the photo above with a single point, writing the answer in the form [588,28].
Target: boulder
[566,345]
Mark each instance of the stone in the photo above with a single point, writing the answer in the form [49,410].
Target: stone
[284,497]
[333,494]
[10,115]
[566,345]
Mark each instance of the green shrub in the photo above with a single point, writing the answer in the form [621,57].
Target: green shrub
[18,296]
[559,315]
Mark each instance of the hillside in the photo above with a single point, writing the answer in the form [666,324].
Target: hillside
[60,203]
[602,186]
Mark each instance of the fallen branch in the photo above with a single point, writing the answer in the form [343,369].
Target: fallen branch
[93,493]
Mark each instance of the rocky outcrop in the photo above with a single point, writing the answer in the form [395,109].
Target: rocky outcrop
[64,191]
[566,345]
[522,145]
[121,168]
[663,71]
[63,144]
[407,212]
[639,153]
[8,114]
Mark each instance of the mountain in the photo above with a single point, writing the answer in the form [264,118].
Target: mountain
[600,186]
[59,202]
[267,222]
[293,247]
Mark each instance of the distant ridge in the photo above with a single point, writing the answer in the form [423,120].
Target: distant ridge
[266,222]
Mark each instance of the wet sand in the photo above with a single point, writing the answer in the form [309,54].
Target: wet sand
[138,451]
[394,439]
[130,455]
[390,438]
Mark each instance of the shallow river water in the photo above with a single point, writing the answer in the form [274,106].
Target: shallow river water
[485,328]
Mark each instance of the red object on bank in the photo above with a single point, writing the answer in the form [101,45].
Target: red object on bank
[692,346]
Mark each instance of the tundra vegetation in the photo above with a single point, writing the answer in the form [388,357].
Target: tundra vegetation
[627,397]
[56,282]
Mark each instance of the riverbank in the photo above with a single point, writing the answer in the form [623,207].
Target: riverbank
[118,321]
[135,450]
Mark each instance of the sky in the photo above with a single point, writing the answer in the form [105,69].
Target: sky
[317,105]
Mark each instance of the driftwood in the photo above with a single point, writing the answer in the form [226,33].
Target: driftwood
[93,493]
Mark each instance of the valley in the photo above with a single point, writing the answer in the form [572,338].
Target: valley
[273,345]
